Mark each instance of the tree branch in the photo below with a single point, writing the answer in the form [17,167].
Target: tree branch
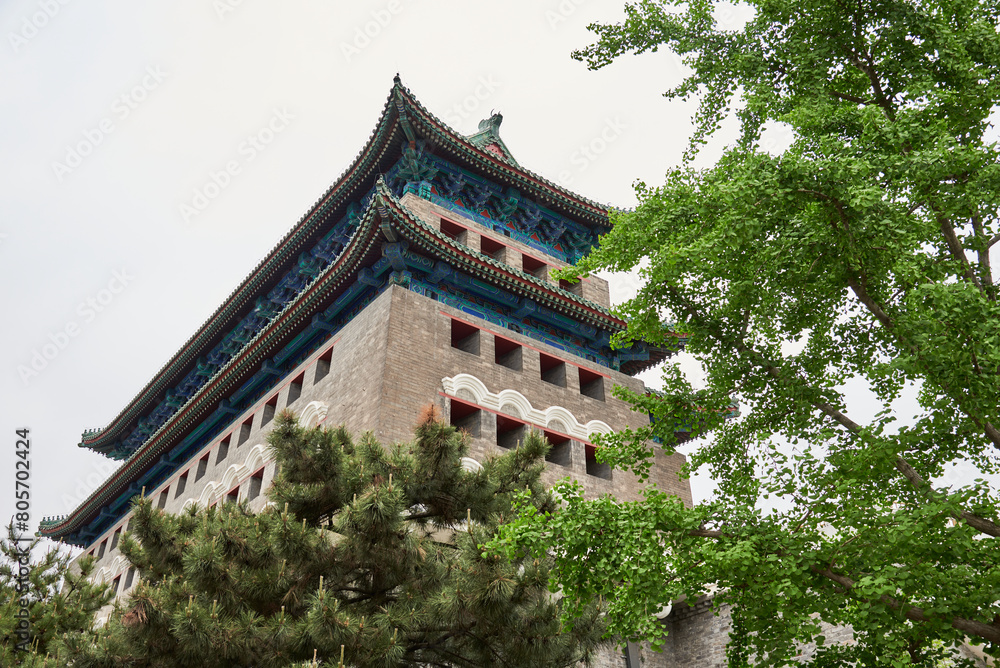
[850,98]
[979,524]
[868,69]
[989,632]
[957,251]
[985,268]
[861,291]
[705,533]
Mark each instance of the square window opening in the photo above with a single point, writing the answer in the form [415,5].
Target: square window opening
[508,353]
[510,432]
[455,231]
[101,549]
[536,268]
[256,482]
[295,389]
[129,577]
[553,369]
[223,450]
[202,468]
[560,450]
[494,249]
[595,468]
[465,337]
[181,484]
[323,366]
[591,384]
[467,417]
[245,430]
[115,538]
[234,495]
[114,585]
[164,495]
[575,288]
[269,408]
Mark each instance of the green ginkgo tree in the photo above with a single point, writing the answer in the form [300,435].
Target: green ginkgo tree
[862,256]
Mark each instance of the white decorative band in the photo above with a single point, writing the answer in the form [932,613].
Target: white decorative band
[257,457]
[515,404]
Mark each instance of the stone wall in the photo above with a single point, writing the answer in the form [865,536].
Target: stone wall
[420,356]
[355,359]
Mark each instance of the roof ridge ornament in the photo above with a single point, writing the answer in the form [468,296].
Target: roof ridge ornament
[492,124]
[488,138]
[382,196]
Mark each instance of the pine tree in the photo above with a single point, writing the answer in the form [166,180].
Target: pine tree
[367,556]
[40,600]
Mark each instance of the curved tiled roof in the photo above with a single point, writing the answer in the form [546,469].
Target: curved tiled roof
[386,218]
[403,120]
[402,117]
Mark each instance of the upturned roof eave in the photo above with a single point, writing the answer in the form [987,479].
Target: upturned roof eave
[165,437]
[386,208]
[486,266]
[244,294]
[395,115]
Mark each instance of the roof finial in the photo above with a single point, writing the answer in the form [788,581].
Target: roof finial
[491,123]
[396,80]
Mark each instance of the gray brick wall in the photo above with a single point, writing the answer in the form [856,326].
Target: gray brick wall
[386,365]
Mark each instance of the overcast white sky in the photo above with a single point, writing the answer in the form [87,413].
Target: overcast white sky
[118,113]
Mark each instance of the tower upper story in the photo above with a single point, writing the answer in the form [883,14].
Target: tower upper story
[447,217]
